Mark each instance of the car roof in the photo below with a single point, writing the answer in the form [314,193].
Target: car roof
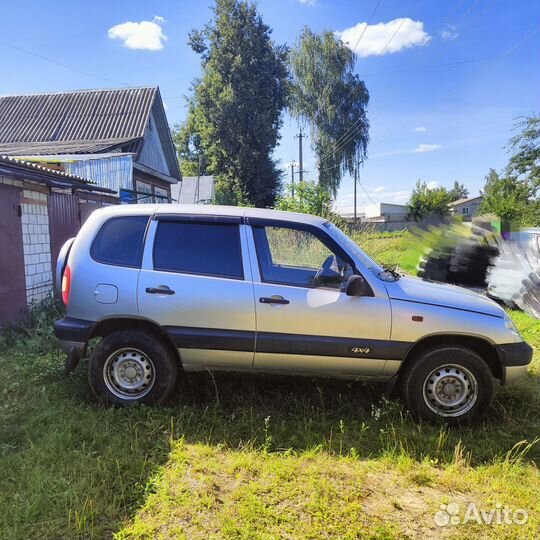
[211,210]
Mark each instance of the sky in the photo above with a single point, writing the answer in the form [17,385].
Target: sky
[447,78]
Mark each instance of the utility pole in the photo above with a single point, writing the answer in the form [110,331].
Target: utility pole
[355,182]
[293,163]
[301,171]
[300,157]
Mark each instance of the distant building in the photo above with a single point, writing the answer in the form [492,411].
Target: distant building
[118,138]
[466,208]
[193,190]
[386,212]
[348,216]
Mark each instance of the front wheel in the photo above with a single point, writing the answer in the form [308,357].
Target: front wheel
[130,367]
[448,383]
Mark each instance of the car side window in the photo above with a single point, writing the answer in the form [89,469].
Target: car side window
[119,242]
[199,248]
[295,256]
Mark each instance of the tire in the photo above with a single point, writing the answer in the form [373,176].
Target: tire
[130,367]
[448,383]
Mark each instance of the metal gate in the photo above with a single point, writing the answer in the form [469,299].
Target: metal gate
[12,278]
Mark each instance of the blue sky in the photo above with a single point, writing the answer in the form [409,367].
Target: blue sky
[440,123]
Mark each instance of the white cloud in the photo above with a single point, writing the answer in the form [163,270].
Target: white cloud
[432,185]
[368,40]
[427,148]
[308,2]
[420,129]
[379,189]
[449,32]
[145,35]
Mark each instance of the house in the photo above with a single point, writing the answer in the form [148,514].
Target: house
[39,209]
[467,208]
[193,190]
[386,212]
[118,138]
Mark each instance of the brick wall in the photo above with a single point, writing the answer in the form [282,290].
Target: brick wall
[36,246]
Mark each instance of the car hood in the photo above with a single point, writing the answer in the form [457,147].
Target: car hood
[412,289]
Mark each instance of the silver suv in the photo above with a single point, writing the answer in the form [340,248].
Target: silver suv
[194,288]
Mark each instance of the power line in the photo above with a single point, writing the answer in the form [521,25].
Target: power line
[76,70]
[409,122]
[353,49]
[339,145]
[336,144]
[503,55]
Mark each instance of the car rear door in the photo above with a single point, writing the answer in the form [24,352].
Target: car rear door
[196,283]
[311,327]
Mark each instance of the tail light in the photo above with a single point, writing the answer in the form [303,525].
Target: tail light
[66,285]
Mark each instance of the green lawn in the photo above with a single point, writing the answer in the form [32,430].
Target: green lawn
[245,457]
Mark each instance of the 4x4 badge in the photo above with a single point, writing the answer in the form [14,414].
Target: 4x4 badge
[361,350]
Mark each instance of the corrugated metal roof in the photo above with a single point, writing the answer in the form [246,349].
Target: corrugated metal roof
[82,115]
[72,147]
[58,178]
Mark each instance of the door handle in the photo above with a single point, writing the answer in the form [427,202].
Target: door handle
[159,290]
[273,300]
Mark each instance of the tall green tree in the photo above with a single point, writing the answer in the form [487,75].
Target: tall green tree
[425,201]
[332,100]
[458,191]
[236,110]
[525,152]
[514,196]
[506,197]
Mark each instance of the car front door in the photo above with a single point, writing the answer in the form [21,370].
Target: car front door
[305,320]
[196,283]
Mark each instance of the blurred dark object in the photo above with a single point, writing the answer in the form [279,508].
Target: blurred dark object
[457,255]
[515,277]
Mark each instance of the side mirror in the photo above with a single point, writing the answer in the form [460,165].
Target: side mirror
[358,286]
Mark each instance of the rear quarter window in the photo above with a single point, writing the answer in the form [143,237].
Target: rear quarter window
[119,242]
[199,248]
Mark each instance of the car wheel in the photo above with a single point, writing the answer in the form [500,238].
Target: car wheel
[130,367]
[452,384]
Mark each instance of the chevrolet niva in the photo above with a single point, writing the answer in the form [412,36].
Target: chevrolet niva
[170,287]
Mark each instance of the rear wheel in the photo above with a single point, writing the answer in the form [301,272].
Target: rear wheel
[452,384]
[130,367]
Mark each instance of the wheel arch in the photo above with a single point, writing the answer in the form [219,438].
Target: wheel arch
[479,345]
[106,327]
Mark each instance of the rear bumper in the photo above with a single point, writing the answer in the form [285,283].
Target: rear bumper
[514,359]
[73,334]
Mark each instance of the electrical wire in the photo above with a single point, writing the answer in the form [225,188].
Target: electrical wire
[76,70]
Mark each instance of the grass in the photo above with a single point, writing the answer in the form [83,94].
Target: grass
[252,457]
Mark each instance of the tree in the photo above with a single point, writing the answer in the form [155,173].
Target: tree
[458,191]
[331,98]
[235,112]
[427,201]
[506,197]
[525,147]
[309,198]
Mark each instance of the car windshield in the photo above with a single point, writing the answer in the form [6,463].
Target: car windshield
[353,248]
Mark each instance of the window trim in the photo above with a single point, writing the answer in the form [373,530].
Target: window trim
[140,253]
[319,233]
[193,219]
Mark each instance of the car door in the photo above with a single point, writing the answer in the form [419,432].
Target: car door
[305,321]
[196,283]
